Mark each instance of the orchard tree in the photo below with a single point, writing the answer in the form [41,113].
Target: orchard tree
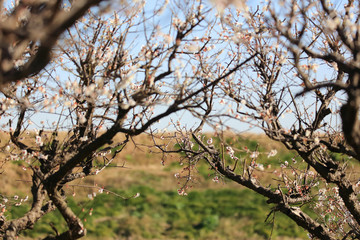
[29,30]
[119,73]
[301,88]
[288,68]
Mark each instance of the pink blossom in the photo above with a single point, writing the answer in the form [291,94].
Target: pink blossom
[216,179]
[272,153]
[254,154]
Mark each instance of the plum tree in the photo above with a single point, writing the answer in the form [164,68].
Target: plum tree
[120,72]
[301,89]
[286,67]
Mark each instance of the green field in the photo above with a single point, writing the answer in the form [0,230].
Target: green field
[211,210]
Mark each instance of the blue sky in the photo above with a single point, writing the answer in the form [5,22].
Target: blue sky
[185,118]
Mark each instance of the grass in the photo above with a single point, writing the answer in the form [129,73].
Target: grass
[210,211]
[166,215]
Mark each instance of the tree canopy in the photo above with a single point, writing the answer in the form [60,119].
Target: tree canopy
[287,68]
